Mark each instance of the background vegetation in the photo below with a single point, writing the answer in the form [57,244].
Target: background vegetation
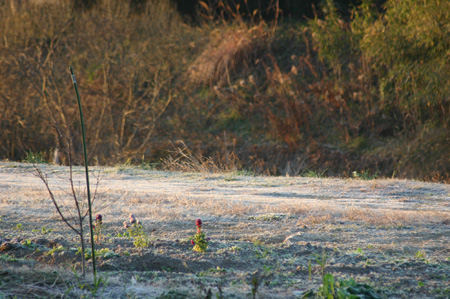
[357,86]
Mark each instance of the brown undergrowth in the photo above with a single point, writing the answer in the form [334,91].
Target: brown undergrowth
[269,97]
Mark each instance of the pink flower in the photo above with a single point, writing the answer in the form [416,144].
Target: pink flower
[192,242]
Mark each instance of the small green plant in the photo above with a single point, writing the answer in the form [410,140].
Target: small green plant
[327,289]
[99,282]
[341,289]
[7,258]
[322,260]
[55,250]
[313,173]
[359,251]
[19,227]
[262,251]
[35,158]
[104,253]
[420,255]
[210,271]
[124,235]
[140,237]
[27,243]
[43,230]
[199,240]
[349,289]
[235,248]
[365,175]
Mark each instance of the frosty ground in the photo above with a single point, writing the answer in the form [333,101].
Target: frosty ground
[269,235]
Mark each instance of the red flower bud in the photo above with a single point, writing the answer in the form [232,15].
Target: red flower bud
[192,242]
[98,218]
[198,223]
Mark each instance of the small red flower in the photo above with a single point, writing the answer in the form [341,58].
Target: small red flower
[192,242]
[198,223]
[98,218]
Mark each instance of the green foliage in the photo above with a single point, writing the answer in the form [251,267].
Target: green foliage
[364,175]
[408,49]
[327,290]
[212,271]
[27,243]
[200,242]
[332,37]
[104,253]
[7,258]
[420,255]
[140,237]
[55,249]
[340,289]
[314,173]
[19,227]
[262,251]
[43,230]
[322,260]
[345,289]
[35,158]
[97,288]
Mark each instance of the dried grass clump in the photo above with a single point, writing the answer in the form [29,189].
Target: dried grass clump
[230,51]
[388,217]
[186,160]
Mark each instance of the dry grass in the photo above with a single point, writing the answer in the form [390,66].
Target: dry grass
[165,196]
[186,160]
[231,50]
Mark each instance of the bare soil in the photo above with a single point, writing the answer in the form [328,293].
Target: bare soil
[269,235]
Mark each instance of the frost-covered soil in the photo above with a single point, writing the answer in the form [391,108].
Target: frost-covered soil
[393,235]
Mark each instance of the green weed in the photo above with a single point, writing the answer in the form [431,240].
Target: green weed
[55,250]
[27,243]
[104,253]
[313,173]
[420,254]
[35,158]
[43,230]
[7,258]
[98,286]
[140,237]
[365,175]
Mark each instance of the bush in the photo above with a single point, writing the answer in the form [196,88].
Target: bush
[408,49]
